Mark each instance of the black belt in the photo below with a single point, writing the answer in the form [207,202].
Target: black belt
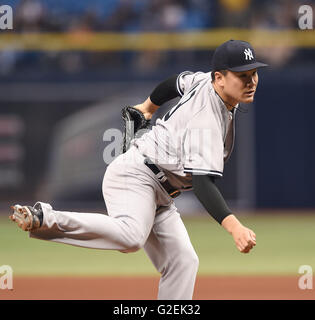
[160,175]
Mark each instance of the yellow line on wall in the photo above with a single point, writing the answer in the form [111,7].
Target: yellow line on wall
[111,41]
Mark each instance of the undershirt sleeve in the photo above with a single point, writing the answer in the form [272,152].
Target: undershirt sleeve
[165,91]
[210,197]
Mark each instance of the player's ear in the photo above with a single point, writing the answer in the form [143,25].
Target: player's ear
[219,78]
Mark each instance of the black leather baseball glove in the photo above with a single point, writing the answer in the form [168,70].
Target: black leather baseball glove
[134,121]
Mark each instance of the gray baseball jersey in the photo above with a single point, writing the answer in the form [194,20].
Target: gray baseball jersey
[195,136]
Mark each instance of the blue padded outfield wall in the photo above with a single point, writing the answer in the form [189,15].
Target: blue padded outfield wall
[285,145]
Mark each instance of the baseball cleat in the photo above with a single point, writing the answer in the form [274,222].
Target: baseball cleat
[27,218]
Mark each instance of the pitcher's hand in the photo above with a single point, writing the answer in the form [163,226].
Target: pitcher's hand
[147,108]
[245,239]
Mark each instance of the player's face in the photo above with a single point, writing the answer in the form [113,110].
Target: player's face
[241,86]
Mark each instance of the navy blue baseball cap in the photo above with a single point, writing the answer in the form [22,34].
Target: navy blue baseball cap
[235,55]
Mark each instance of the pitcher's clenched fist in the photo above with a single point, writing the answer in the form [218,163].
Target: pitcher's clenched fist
[245,239]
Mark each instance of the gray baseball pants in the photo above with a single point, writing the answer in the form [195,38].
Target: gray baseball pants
[140,215]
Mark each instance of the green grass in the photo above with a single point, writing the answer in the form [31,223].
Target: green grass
[283,244]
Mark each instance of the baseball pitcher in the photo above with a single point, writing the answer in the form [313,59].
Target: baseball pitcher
[184,150]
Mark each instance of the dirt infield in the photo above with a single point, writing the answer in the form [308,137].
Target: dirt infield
[145,288]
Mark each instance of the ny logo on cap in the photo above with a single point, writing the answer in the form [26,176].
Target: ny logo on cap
[248,54]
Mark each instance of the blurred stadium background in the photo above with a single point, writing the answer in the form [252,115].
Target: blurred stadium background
[68,67]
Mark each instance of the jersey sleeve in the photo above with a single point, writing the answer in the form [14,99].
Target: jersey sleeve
[203,145]
[187,79]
